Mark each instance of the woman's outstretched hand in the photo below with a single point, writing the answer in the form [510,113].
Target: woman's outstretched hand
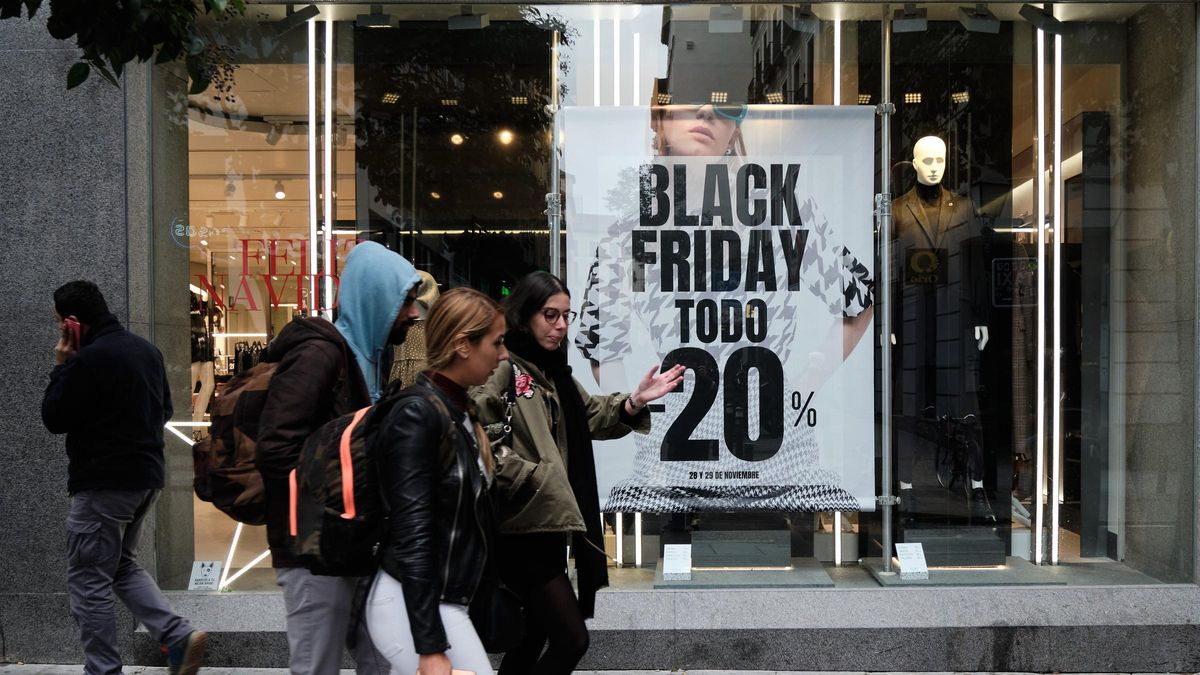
[655,385]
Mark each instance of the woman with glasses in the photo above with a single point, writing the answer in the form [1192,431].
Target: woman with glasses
[543,423]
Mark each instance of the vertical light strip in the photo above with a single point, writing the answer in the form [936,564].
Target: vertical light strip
[313,301]
[837,100]
[837,61]
[1040,221]
[837,538]
[620,538]
[616,58]
[637,539]
[637,69]
[237,534]
[596,56]
[1056,391]
[327,231]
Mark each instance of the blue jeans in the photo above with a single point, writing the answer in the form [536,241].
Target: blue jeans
[102,536]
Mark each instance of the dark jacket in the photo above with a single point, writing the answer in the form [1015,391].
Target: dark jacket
[440,523]
[313,384]
[111,399]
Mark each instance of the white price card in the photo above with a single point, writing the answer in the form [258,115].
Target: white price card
[206,574]
[677,562]
[912,561]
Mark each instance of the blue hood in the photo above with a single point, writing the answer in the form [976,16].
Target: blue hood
[372,288]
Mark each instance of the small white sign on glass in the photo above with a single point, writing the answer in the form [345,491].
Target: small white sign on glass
[206,574]
[677,562]
[912,561]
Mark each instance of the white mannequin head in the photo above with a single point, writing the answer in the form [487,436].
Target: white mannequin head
[929,159]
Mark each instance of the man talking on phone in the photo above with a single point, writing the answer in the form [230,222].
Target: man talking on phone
[109,394]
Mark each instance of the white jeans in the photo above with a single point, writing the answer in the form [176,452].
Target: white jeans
[387,620]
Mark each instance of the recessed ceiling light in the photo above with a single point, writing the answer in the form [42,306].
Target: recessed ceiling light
[435,195]
[457,139]
[204,242]
[498,194]
[279,191]
[505,137]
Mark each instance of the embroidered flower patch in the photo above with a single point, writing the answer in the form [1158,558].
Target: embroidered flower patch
[523,383]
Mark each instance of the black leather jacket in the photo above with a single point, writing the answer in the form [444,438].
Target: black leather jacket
[440,523]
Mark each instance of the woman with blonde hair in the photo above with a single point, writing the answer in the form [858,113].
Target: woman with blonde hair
[435,471]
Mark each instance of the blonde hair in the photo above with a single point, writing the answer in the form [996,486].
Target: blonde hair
[460,313]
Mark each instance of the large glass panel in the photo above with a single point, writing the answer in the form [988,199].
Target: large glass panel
[1041,254]
[419,127]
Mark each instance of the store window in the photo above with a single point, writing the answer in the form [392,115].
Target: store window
[717,168]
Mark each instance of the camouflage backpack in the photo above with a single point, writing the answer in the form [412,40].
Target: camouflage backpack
[224,470]
[337,509]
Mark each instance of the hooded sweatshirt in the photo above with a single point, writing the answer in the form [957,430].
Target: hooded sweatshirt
[373,286]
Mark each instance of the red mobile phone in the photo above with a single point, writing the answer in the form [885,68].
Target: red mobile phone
[74,331]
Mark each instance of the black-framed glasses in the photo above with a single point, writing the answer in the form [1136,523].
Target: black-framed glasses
[552,315]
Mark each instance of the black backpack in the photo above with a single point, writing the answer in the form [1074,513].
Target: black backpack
[337,508]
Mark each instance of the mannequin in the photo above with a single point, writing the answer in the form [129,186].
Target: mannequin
[202,359]
[941,313]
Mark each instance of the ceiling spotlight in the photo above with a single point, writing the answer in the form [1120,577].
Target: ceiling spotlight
[520,100]
[910,19]
[295,19]
[719,97]
[979,19]
[376,19]
[204,242]
[435,195]
[1041,19]
[505,137]
[774,97]
[498,194]
[468,21]
[664,99]
[801,19]
[961,97]
[864,99]
[912,97]
[279,191]
[230,188]
[457,139]
[449,102]
[725,19]
[390,98]
[274,134]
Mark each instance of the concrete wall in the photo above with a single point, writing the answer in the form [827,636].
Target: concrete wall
[1157,232]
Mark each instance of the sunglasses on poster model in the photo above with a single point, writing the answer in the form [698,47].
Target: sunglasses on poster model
[734,112]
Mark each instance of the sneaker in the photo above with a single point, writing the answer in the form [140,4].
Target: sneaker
[981,508]
[185,656]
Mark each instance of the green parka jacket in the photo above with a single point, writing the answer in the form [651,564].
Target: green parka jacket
[532,491]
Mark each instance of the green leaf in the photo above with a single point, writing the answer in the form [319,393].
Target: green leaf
[217,6]
[104,72]
[78,73]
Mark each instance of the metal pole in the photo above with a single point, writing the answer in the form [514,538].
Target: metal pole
[554,198]
[884,298]
[412,223]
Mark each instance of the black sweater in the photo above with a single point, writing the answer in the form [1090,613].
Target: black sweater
[111,399]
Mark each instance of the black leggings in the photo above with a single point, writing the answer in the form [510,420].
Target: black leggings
[535,566]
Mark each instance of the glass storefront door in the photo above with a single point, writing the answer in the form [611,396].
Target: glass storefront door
[990,360]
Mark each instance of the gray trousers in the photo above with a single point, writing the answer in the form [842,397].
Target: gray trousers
[318,616]
[102,536]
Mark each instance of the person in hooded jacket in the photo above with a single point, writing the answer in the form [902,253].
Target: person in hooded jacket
[327,370]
